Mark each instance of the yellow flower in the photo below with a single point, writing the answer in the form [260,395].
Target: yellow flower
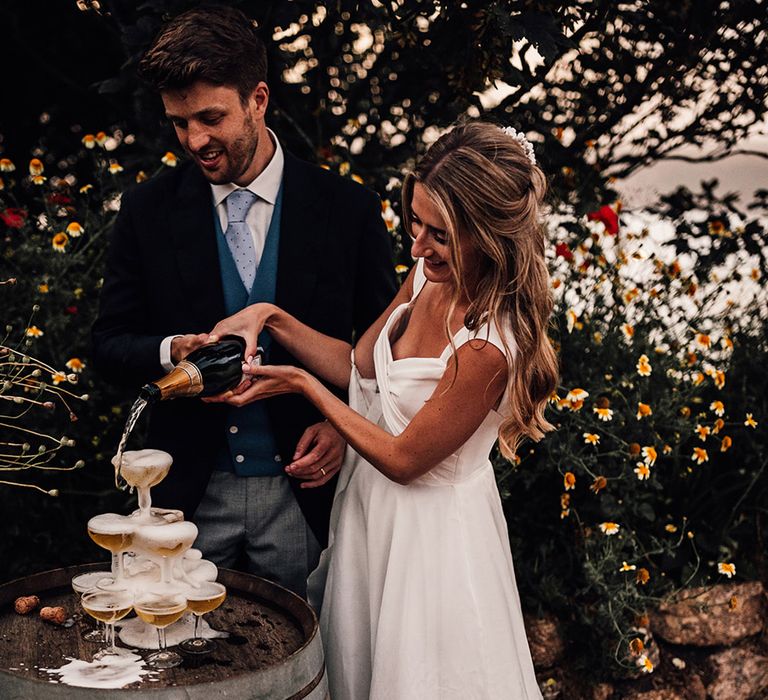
[357,179]
[726,343]
[628,331]
[33,332]
[86,188]
[604,414]
[400,269]
[704,340]
[667,450]
[344,168]
[101,138]
[58,377]
[565,500]
[43,288]
[717,228]
[642,470]
[38,179]
[642,576]
[717,426]
[575,397]
[6,165]
[636,645]
[719,378]
[141,176]
[115,167]
[35,167]
[59,242]
[572,321]
[649,455]
[627,567]
[726,568]
[598,484]
[700,455]
[89,140]
[750,422]
[170,159]
[685,412]
[645,664]
[609,528]
[643,410]
[703,431]
[75,229]
[697,378]
[565,513]
[643,366]
[75,364]
[725,443]
[718,407]
[591,438]
[669,527]
[569,481]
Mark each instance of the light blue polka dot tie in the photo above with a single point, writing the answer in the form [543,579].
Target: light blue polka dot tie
[238,235]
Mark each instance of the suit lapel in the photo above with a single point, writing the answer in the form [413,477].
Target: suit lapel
[302,228]
[193,236]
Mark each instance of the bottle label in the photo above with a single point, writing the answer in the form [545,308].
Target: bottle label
[185,380]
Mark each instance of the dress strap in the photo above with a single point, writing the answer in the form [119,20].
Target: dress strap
[488,332]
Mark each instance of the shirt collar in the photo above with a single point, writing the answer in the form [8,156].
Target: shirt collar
[266,185]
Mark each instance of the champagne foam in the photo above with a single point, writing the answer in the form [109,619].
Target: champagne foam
[144,468]
[111,524]
[167,535]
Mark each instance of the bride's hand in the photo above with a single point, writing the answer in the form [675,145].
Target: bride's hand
[266,381]
[247,323]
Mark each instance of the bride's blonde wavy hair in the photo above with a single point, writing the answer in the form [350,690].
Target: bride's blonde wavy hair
[485,187]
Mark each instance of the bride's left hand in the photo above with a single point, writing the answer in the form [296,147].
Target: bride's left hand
[266,381]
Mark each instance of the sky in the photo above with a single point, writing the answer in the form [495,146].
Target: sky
[739,173]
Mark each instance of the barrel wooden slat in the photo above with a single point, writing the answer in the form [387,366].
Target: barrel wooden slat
[274,652]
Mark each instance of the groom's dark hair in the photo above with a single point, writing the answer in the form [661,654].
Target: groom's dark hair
[215,44]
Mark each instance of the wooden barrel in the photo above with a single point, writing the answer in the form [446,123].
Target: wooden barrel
[273,651]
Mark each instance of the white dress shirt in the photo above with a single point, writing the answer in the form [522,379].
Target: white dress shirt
[265,186]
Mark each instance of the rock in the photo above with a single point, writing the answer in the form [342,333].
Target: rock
[695,689]
[713,616]
[659,694]
[738,674]
[545,641]
[602,691]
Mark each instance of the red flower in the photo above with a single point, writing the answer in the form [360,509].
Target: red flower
[608,216]
[71,310]
[13,218]
[563,251]
[58,198]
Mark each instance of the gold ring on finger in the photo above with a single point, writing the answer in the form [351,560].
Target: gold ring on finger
[322,471]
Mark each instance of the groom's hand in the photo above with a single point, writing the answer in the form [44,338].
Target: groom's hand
[182,345]
[318,455]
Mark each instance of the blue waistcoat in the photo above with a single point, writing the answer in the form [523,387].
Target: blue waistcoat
[250,448]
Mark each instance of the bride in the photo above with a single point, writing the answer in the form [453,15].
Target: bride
[420,599]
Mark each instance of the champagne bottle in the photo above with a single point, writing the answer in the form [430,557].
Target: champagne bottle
[207,371]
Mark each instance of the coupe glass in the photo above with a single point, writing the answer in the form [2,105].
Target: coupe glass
[161,610]
[207,597]
[114,533]
[82,583]
[107,607]
[165,542]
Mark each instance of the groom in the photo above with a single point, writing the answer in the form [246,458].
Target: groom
[242,221]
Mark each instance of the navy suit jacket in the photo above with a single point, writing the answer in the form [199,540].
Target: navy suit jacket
[162,278]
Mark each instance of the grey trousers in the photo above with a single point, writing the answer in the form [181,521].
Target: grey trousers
[257,516]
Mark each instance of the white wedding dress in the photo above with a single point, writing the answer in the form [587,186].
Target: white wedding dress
[420,600]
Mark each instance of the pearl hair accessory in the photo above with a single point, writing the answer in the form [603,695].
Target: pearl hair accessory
[524,142]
